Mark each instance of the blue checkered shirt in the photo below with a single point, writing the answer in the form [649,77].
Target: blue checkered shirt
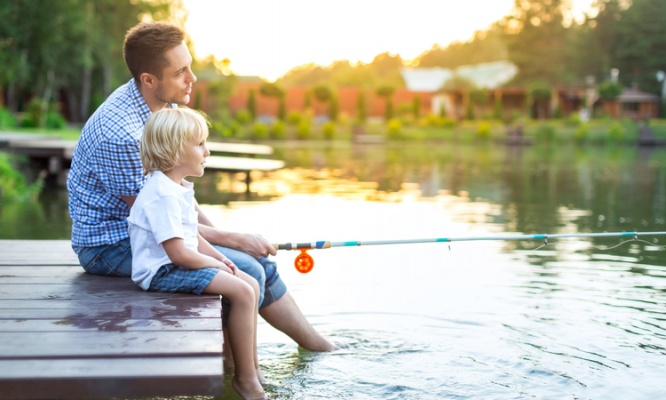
[106,165]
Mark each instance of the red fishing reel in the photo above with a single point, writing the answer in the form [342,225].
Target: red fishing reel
[304,262]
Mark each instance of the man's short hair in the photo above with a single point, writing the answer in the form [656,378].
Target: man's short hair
[165,134]
[146,45]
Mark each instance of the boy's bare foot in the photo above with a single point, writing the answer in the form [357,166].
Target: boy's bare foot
[248,390]
[260,376]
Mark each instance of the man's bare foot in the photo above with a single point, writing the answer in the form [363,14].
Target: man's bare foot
[249,390]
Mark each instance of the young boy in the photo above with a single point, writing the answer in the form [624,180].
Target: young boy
[168,253]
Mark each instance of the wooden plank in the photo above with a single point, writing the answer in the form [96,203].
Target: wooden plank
[108,344]
[50,321]
[6,137]
[240,148]
[37,252]
[240,164]
[43,148]
[149,377]
[68,334]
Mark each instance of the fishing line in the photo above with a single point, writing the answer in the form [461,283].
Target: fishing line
[304,262]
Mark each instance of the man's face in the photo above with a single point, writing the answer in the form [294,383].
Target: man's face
[177,79]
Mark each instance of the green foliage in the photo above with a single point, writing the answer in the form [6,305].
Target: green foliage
[361,107]
[582,133]
[540,91]
[388,111]
[442,110]
[323,93]
[394,129]
[416,107]
[13,186]
[609,90]
[483,130]
[385,91]
[278,131]
[54,120]
[497,109]
[333,108]
[478,96]
[294,118]
[545,133]
[252,105]
[328,130]
[271,90]
[282,109]
[244,116]
[469,111]
[259,131]
[7,120]
[616,132]
[304,130]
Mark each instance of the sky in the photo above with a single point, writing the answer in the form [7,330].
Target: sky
[267,38]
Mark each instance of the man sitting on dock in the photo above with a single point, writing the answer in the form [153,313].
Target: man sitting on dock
[106,175]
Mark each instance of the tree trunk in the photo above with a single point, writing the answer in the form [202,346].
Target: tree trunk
[86,79]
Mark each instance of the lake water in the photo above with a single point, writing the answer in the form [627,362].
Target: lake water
[570,319]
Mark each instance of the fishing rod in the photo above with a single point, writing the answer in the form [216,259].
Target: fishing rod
[304,262]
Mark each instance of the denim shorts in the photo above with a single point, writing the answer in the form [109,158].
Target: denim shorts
[171,278]
[109,260]
[271,286]
[116,260]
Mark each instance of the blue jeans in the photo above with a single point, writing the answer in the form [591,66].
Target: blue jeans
[116,260]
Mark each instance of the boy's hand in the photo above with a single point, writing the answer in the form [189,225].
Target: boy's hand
[228,266]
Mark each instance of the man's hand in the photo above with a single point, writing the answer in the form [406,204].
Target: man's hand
[256,245]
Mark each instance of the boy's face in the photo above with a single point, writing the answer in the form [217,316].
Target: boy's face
[193,157]
[177,79]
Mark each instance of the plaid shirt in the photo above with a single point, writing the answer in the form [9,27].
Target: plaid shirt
[106,165]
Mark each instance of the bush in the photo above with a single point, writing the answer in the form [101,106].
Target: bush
[329,130]
[13,186]
[259,131]
[7,120]
[304,130]
[394,128]
[483,130]
[243,116]
[616,132]
[582,132]
[545,133]
[55,121]
[294,118]
[278,131]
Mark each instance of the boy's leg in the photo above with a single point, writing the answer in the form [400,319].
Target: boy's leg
[242,293]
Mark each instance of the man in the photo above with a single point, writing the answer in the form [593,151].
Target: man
[106,176]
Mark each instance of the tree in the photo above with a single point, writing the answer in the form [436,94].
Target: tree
[536,38]
[386,92]
[275,91]
[252,104]
[361,107]
[641,44]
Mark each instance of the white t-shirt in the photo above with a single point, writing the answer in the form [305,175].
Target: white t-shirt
[162,210]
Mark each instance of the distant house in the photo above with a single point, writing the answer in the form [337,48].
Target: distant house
[490,76]
[632,103]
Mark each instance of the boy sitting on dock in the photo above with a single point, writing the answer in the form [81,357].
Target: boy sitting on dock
[170,255]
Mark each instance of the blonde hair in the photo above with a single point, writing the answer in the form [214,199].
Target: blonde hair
[165,134]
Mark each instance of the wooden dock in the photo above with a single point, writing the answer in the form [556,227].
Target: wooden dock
[54,156]
[67,334]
